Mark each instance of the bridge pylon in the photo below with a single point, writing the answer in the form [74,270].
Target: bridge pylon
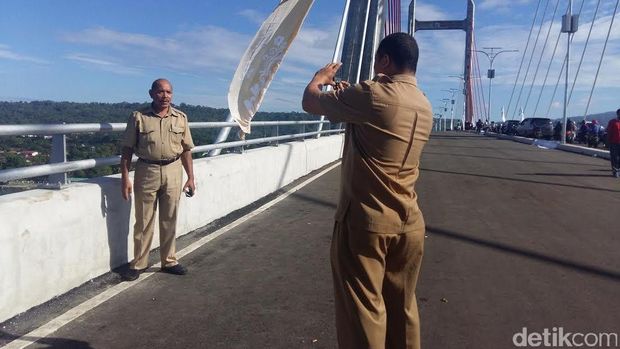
[466,25]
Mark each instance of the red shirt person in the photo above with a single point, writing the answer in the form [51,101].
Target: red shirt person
[613,139]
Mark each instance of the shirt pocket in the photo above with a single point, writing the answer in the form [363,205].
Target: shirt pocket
[146,135]
[176,137]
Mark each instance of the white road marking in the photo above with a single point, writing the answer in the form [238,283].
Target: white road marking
[79,310]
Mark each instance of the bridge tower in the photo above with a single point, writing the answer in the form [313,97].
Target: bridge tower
[363,32]
[466,25]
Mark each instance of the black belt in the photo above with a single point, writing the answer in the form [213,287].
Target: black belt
[159,162]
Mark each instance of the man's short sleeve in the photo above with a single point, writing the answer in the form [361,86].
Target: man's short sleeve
[353,104]
[187,142]
[129,139]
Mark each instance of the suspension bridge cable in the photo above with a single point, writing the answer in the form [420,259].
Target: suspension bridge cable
[482,98]
[475,82]
[557,83]
[598,70]
[555,90]
[474,89]
[399,15]
[527,71]
[542,53]
[585,46]
[523,57]
[544,84]
[390,15]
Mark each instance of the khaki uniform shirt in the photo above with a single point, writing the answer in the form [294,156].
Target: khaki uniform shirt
[389,122]
[156,138]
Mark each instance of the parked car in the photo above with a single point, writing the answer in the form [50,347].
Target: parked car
[535,128]
[510,127]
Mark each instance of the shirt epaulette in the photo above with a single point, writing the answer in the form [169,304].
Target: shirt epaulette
[177,112]
[381,78]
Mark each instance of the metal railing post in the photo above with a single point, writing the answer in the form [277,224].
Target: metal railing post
[222,136]
[59,155]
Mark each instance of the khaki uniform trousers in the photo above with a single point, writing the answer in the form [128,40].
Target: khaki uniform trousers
[153,185]
[375,277]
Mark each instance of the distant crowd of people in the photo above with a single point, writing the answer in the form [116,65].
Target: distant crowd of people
[590,133]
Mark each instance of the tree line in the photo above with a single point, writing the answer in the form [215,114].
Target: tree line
[17,151]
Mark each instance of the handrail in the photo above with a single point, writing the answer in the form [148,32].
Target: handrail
[70,166]
[54,129]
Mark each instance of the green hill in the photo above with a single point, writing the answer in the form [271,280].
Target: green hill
[17,151]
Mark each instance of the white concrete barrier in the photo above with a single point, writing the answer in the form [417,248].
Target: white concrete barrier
[52,241]
[573,148]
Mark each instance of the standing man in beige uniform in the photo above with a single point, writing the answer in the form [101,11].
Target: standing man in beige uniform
[379,231]
[160,137]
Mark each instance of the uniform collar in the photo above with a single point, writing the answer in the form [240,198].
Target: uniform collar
[405,78]
[408,78]
[171,111]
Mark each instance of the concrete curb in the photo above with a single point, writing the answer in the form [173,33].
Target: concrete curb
[597,153]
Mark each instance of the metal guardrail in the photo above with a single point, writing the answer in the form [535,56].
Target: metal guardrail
[49,130]
[62,167]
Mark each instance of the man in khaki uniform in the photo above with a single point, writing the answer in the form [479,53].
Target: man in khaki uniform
[379,231]
[160,137]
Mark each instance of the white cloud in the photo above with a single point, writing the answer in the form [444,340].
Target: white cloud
[599,31]
[7,53]
[104,64]
[427,12]
[500,4]
[203,50]
[102,36]
[313,47]
[253,15]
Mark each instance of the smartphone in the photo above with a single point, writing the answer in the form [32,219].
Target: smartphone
[189,193]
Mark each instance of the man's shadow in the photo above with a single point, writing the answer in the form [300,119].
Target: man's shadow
[49,342]
[117,213]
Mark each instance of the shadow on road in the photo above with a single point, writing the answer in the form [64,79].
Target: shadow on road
[564,174]
[314,200]
[49,342]
[564,263]
[520,180]
[515,160]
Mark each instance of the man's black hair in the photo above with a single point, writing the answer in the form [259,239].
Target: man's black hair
[402,50]
[618,113]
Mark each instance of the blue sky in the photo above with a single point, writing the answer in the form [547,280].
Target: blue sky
[96,51]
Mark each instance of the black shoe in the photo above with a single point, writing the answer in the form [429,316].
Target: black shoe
[132,274]
[175,269]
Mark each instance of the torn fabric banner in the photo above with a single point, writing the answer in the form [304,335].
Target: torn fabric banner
[261,60]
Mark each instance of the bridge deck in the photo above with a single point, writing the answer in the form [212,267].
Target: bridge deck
[517,237]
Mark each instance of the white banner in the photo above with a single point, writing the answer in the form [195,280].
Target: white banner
[261,60]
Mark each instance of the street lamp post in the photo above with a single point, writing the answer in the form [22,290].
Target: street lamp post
[570,24]
[452,92]
[444,109]
[491,72]
[460,77]
[438,122]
